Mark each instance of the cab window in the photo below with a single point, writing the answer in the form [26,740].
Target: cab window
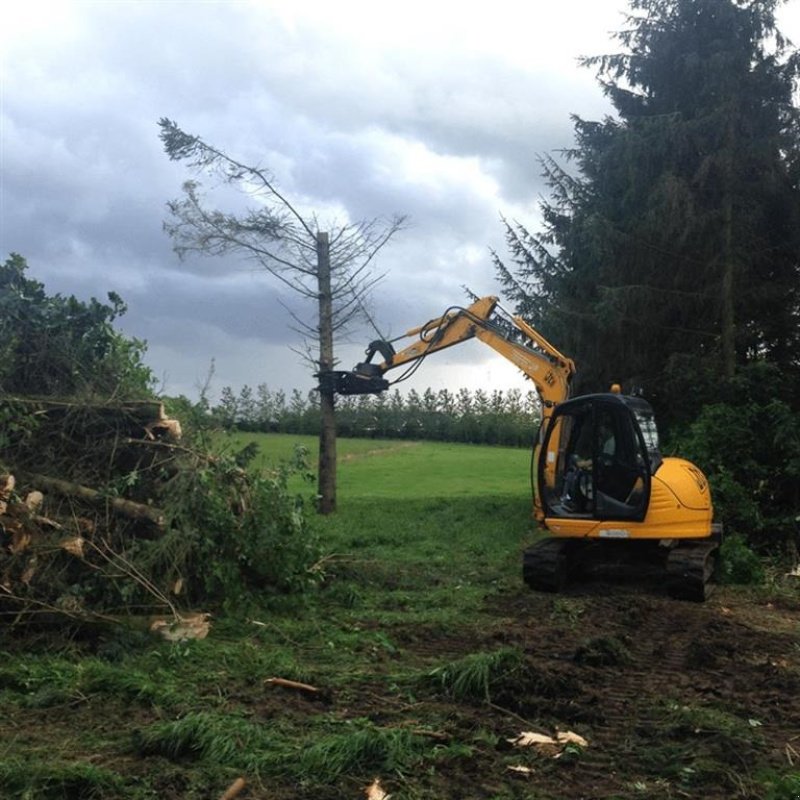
[598,463]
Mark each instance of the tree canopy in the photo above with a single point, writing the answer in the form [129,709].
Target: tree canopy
[671,255]
[61,346]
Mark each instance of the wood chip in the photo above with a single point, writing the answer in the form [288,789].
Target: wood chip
[73,545]
[33,500]
[569,737]
[531,739]
[234,790]
[375,791]
[182,628]
[552,746]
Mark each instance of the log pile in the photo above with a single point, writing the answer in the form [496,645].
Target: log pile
[78,484]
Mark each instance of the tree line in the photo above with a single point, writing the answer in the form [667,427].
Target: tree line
[477,417]
[669,253]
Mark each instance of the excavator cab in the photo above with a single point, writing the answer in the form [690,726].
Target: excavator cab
[597,458]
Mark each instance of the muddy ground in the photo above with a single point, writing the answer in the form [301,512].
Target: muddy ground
[675,700]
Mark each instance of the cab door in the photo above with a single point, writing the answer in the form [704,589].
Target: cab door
[593,463]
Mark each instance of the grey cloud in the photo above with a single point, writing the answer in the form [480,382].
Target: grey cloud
[85,180]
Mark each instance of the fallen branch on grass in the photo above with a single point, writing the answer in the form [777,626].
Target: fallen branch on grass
[440,736]
[296,685]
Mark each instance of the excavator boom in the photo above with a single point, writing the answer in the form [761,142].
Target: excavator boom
[550,371]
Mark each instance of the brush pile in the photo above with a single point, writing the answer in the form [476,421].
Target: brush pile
[80,482]
[104,511]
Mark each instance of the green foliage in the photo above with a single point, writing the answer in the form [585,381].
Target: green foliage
[56,345]
[498,417]
[233,534]
[749,446]
[17,424]
[738,563]
[678,236]
[63,780]
[781,787]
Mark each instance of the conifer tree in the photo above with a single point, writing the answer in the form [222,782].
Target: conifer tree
[675,249]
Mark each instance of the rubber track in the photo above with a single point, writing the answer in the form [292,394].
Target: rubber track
[689,570]
[544,565]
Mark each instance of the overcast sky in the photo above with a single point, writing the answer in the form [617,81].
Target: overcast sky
[436,110]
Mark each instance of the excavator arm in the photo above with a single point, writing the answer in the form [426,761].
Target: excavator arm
[550,371]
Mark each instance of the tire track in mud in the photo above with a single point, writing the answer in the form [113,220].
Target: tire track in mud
[690,656]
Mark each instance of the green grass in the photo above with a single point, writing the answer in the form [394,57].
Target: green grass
[426,539]
[398,469]
[474,676]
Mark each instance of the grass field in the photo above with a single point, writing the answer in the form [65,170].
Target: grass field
[405,470]
[430,657]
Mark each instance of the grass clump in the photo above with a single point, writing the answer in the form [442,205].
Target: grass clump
[603,651]
[360,750]
[236,742]
[74,780]
[780,787]
[219,738]
[55,681]
[477,676]
[709,721]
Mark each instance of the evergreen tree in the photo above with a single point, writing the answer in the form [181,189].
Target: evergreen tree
[247,408]
[228,408]
[675,251]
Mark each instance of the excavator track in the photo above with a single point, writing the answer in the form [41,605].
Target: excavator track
[546,564]
[690,566]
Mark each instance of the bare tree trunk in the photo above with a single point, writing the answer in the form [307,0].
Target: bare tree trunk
[728,309]
[327,432]
[728,313]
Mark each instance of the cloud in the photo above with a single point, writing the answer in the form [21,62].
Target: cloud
[359,109]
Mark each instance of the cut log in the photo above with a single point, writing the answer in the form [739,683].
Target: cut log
[125,508]
[168,429]
[143,410]
[7,484]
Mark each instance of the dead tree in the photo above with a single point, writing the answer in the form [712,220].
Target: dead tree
[332,269]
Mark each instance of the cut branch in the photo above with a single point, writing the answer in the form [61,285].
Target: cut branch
[297,686]
[121,506]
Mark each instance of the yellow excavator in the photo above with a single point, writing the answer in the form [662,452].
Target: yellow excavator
[598,477]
